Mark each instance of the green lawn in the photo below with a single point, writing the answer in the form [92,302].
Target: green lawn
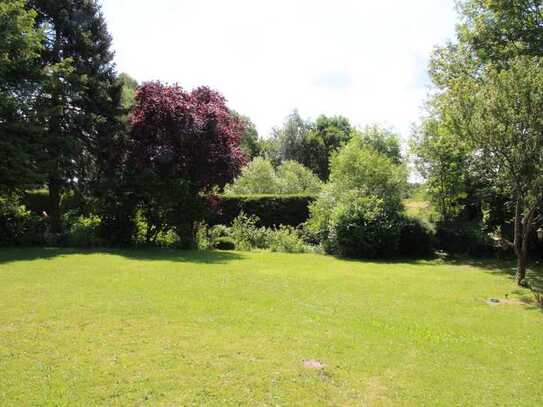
[161,327]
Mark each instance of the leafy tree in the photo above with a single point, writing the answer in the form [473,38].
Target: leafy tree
[19,71]
[260,177]
[499,30]
[129,86]
[500,115]
[357,171]
[257,177]
[250,143]
[290,138]
[443,160]
[383,141]
[295,178]
[182,146]
[78,100]
[325,137]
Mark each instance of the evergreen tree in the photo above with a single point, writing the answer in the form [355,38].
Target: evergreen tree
[20,44]
[79,100]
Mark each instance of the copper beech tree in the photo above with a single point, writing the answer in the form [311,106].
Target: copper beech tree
[181,146]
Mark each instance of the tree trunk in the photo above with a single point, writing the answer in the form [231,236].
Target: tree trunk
[55,211]
[522,260]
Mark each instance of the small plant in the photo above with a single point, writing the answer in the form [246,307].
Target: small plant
[246,234]
[83,232]
[285,239]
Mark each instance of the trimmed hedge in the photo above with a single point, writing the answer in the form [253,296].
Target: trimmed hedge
[272,210]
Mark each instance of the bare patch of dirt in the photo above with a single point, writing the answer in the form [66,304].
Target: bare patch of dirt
[314,364]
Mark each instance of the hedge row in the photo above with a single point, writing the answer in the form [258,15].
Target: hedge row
[272,210]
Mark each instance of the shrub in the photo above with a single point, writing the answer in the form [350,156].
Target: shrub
[84,232]
[416,239]
[271,210]
[224,243]
[285,239]
[364,228]
[463,238]
[246,234]
[18,226]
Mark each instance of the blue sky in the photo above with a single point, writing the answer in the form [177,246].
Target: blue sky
[363,59]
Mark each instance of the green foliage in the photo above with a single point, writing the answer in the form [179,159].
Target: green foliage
[500,30]
[250,143]
[465,238]
[361,170]
[325,137]
[224,243]
[129,86]
[363,228]
[382,140]
[259,177]
[84,232]
[272,210]
[444,161]
[357,213]
[18,226]
[20,45]
[416,238]
[246,233]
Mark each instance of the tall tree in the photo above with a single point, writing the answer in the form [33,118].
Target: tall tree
[382,140]
[325,137]
[182,145]
[501,116]
[79,100]
[19,72]
[290,137]
[443,160]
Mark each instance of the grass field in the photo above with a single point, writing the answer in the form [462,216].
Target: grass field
[159,327]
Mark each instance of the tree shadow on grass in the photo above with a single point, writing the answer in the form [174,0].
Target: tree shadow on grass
[9,255]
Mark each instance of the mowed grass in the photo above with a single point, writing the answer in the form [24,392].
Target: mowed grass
[160,327]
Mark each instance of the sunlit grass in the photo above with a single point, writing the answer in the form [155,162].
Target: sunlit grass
[161,327]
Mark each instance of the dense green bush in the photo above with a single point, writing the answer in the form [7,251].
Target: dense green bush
[84,232]
[416,238]
[19,226]
[467,238]
[224,243]
[291,210]
[363,228]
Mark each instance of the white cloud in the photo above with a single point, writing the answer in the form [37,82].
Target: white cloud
[365,60]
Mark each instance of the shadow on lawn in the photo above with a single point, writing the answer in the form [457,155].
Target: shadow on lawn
[9,255]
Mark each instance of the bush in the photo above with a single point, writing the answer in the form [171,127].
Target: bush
[246,234]
[416,239]
[18,226]
[84,232]
[363,228]
[224,243]
[285,239]
[271,210]
[467,238]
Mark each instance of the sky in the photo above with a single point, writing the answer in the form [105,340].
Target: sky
[366,60]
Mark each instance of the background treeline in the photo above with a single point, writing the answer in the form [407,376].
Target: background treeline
[123,163]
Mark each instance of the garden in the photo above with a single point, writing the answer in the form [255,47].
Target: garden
[155,249]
